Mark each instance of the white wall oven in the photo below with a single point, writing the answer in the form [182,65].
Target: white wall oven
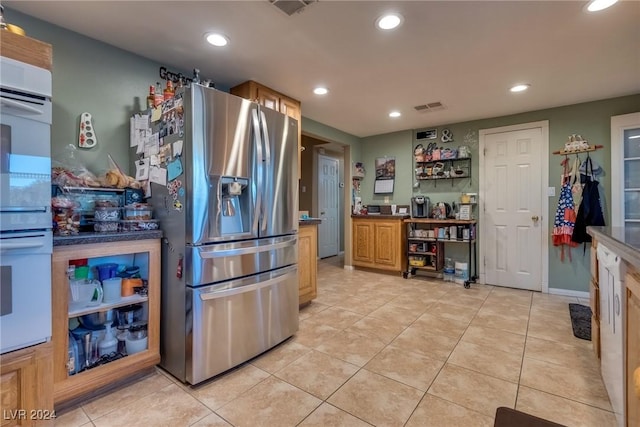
[25,200]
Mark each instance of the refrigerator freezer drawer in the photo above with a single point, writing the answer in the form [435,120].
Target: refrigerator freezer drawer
[225,261]
[232,325]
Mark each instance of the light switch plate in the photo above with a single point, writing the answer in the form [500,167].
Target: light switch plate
[386,199]
[551,191]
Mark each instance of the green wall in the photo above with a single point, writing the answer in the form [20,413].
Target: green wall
[591,120]
[92,76]
[112,84]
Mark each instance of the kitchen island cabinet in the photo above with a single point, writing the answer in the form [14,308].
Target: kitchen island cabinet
[632,282]
[625,243]
[146,251]
[379,241]
[275,100]
[308,261]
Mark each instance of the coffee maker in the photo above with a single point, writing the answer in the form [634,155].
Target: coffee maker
[420,207]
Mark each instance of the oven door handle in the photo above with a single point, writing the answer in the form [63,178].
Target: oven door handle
[19,106]
[4,247]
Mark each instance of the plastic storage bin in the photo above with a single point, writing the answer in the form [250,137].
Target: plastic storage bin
[138,211]
[139,225]
[461,272]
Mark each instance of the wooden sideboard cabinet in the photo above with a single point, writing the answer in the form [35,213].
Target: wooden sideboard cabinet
[632,347]
[378,242]
[307,262]
[26,386]
[146,254]
[275,100]
[594,297]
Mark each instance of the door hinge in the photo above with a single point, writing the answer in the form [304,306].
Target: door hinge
[484,152]
[484,261]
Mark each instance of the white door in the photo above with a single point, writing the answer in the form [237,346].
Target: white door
[513,223]
[328,206]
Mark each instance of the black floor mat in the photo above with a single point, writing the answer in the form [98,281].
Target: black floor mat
[581,321]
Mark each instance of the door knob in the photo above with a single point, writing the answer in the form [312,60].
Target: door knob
[535,218]
[322,213]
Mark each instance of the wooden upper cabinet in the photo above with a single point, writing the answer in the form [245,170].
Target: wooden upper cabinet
[275,100]
[26,49]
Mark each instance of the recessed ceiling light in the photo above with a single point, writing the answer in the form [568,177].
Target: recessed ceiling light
[520,88]
[321,91]
[598,5]
[217,39]
[395,114]
[389,21]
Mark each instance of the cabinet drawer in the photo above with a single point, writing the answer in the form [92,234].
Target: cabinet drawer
[594,294]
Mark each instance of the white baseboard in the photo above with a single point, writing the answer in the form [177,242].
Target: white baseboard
[349,267]
[569,293]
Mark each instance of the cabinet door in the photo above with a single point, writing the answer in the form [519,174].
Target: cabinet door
[307,262]
[268,98]
[363,242]
[26,386]
[633,358]
[386,247]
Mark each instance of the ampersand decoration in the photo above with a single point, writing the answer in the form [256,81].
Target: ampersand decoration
[446,136]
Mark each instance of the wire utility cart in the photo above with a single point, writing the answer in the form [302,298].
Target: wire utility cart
[426,239]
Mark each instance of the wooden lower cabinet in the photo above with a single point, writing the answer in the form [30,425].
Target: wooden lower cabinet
[26,386]
[633,349]
[594,300]
[307,262]
[144,252]
[379,243]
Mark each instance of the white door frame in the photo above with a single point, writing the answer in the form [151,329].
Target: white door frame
[544,202]
[618,125]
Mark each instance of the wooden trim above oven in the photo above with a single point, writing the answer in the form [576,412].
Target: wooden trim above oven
[26,49]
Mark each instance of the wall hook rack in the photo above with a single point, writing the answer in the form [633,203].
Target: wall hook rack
[582,150]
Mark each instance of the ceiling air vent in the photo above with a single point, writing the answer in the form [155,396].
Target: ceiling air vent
[291,6]
[432,106]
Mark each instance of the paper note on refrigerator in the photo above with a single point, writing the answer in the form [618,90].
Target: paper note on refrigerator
[177,148]
[158,175]
[142,169]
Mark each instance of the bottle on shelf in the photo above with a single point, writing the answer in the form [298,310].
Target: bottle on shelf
[109,344]
[169,91]
[151,98]
[449,270]
[158,97]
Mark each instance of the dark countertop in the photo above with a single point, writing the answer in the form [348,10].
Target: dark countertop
[376,216]
[86,238]
[625,242]
[310,221]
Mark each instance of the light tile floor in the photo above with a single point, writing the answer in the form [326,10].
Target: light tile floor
[380,350]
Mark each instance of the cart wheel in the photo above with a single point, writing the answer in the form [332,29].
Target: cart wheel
[466,284]
[413,271]
[405,274]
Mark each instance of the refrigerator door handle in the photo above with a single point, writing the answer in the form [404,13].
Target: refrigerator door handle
[258,139]
[267,156]
[245,251]
[265,132]
[204,296]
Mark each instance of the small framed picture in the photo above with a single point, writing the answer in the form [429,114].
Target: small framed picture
[427,134]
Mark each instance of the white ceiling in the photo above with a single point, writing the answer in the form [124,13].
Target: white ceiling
[463,54]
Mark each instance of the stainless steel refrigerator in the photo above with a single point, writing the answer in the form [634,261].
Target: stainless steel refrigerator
[229,216]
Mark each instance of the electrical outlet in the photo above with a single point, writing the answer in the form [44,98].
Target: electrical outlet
[386,199]
[304,189]
[551,191]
